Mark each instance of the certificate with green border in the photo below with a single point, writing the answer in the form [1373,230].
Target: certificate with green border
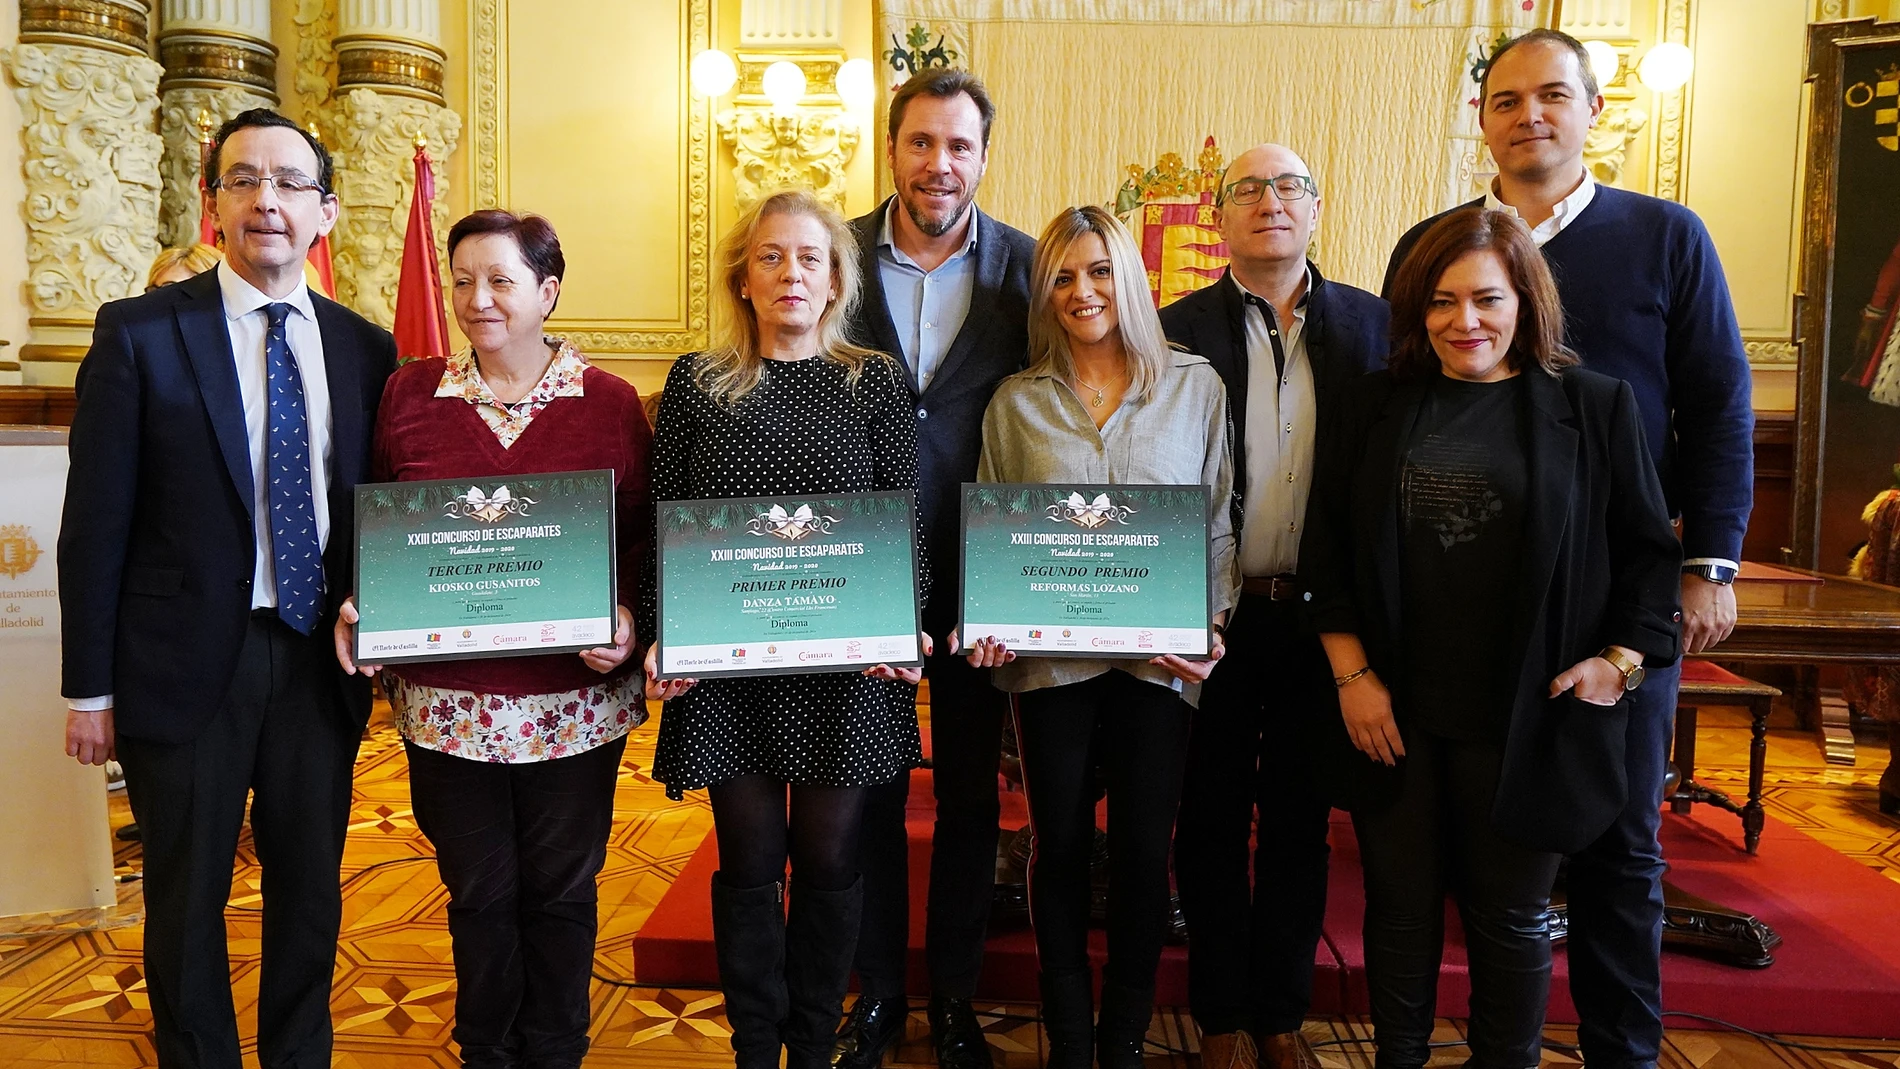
[1085,570]
[755,586]
[490,567]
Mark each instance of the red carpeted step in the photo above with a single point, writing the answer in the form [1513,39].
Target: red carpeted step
[1837,971]
[674,947]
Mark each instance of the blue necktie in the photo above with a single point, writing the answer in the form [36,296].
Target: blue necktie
[293,519]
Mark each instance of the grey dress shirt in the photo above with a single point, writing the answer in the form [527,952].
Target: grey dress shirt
[1037,430]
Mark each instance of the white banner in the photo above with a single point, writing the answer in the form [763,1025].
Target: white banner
[55,845]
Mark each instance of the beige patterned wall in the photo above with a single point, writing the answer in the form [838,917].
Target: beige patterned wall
[1372,93]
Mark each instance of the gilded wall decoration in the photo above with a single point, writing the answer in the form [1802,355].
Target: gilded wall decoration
[809,148]
[1607,145]
[1672,129]
[373,138]
[180,205]
[92,176]
[316,54]
[491,161]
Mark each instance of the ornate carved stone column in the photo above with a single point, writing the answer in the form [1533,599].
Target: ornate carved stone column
[389,90]
[218,62]
[87,91]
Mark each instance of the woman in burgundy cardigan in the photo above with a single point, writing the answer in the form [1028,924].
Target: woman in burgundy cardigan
[512,761]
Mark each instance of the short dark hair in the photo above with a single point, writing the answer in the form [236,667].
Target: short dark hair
[943,82]
[1539,338]
[244,120]
[1556,37]
[533,235]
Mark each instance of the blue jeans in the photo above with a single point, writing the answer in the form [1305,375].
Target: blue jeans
[1616,901]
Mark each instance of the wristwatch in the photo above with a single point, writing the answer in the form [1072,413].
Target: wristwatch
[1633,673]
[1720,574]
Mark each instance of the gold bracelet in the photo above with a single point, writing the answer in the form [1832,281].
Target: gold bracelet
[1340,681]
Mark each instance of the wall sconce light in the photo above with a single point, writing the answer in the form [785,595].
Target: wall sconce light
[783,85]
[712,73]
[1604,62]
[1666,68]
[857,83]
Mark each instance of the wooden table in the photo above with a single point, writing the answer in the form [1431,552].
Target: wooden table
[1803,618]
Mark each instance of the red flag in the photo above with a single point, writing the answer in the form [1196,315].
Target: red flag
[422,328]
[207,230]
[318,269]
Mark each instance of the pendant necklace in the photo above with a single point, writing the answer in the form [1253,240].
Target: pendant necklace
[1097,403]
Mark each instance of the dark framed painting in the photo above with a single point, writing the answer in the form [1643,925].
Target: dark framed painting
[1848,308]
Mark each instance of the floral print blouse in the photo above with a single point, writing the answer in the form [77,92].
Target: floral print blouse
[505,728]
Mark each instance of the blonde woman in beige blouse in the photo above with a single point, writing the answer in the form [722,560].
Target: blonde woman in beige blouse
[1104,400]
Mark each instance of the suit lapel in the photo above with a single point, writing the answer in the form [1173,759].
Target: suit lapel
[341,371]
[208,345]
[1551,462]
[875,310]
[992,263]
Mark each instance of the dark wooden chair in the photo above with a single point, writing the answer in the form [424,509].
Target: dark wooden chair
[1705,683]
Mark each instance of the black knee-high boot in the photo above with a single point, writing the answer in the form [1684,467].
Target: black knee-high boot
[1067,1018]
[749,937]
[821,941]
[1124,1025]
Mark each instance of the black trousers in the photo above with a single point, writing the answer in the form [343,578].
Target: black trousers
[1136,732]
[518,847]
[281,735]
[1254,923]
[1437,837]
[966,738]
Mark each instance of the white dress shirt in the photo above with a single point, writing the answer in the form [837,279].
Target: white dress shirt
[247,323]
[1279,440]
[1561,214]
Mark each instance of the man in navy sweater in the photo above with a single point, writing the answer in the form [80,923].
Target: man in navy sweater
[1644,300]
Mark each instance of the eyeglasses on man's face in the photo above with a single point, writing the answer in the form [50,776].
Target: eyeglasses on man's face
[286,183]
[1287,187]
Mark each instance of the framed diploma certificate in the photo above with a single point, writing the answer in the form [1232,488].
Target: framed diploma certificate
[1087,570]
[493,567]
[767,585]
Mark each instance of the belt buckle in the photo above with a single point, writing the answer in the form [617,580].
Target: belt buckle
[1282,589]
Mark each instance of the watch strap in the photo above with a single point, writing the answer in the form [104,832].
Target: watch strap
[1714,573]
[1619,662]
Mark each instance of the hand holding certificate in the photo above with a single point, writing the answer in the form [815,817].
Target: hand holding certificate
[766,586]
[492,567]
[1087,571]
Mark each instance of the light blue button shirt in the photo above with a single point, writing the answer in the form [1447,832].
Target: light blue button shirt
[927,307]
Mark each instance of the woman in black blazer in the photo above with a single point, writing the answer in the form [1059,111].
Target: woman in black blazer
[1491,564]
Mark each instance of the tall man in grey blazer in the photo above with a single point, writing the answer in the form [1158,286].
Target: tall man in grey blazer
[222,426]
[946,291]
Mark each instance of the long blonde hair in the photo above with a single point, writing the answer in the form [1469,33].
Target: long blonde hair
[733,367]
[196,259]
[1142,340]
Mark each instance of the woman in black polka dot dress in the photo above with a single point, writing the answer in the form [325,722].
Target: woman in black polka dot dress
[786,406]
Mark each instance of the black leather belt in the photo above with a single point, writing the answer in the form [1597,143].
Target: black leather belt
[1273,587]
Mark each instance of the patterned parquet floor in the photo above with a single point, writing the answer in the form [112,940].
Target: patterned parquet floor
[72,991]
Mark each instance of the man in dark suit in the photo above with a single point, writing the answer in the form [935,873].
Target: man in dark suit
[1645,301]
[222,425]
[1287,342]
[946,291]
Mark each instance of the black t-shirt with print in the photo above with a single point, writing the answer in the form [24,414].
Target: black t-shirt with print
[1462,486]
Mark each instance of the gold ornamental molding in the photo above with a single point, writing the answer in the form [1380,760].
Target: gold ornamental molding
[821,76]
[213,61]
[488,33]
[1770,350]
[1672,126]
[390,65]
[98,23]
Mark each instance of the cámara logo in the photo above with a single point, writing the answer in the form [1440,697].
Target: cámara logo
[1090,514]
[790,526]
[18,551]
[472,504]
